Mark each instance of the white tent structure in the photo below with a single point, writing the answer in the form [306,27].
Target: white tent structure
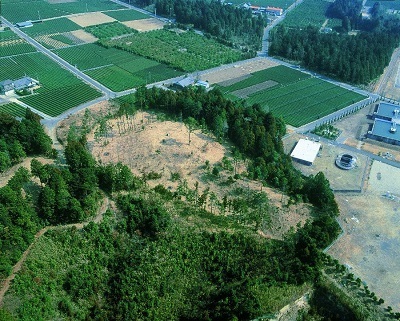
[305,151]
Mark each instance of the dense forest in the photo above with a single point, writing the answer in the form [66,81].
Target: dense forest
[358,58]
[19,139]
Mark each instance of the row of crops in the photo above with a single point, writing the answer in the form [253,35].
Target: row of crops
[298,98]
[309,12]
[116,69]
[109,30]
[13,109]
[17,11]
[59,89]
[59,25]
[54,102]
[185,51]
[126,15]
[15,47]
[279,74]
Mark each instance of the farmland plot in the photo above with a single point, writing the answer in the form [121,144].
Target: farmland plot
[109,30]
[185,51]
[13,109]
[309,12]
[295,96]
[59,91]
[15,47]
[23,10]
[126,15]
[53,26]
[117,69]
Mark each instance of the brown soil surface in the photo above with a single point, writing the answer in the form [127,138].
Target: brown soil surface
[238,70]
[91,19]
[84,36]
[142,25]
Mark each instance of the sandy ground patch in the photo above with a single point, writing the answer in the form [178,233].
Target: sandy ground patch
[5,43]
[91,19]
[46,39]
[245,92]
[383,178]
[238,70]
[371,242]
[145,24]
[83,36]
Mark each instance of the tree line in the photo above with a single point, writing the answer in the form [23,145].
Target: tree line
[21,138]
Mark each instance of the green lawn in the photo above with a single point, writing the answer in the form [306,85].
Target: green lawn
[309,12]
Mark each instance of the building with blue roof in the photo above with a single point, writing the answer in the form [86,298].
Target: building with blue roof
[386,127]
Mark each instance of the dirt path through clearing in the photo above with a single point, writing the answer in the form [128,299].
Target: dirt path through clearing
[17,267]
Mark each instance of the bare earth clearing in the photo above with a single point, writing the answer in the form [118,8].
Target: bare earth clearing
[163,147]
[84,36]
[91,19]
[143,25]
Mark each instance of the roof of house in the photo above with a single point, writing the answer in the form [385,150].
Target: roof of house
[23,83]
[306,150]
[382,127]
[7,85]
[24,24]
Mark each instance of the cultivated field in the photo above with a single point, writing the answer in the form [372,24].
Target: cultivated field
[126,15]
[186,51]
[117,69]
[13,109]
[294,95]
[23,10]
[53,26]
[265,3]
[59,91]
[14,47]
[309,12]
[109,30]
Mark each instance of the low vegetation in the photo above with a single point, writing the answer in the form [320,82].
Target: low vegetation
[185,51]
[109,30]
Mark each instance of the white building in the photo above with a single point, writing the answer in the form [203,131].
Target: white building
[305,151]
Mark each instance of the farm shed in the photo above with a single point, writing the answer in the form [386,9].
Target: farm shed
[385,131]
[6,87]
[24,24]
[305,151]
[183,83]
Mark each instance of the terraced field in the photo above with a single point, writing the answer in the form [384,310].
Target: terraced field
[295,96]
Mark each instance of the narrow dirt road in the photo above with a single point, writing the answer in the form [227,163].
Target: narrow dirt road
[17,267]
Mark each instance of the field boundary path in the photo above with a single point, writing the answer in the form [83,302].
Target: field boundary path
[17,267]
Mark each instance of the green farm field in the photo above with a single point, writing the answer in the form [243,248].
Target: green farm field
[109,30]
[185,51]
[126,15]
[295,96]
[309,12]
[15,47]
[60,90]
[265,3]
[59,25]
[13,109]
[116,69]
[23,10]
